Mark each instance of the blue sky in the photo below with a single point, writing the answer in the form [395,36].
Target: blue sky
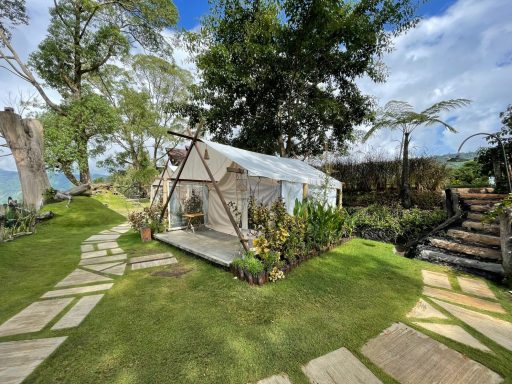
[460,49]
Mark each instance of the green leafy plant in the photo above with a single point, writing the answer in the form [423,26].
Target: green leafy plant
[148,217]
[498,209]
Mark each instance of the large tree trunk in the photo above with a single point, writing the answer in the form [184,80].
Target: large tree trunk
[405,192]
[24,138]
[83,161]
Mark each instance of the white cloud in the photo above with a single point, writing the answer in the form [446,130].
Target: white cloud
[463,53]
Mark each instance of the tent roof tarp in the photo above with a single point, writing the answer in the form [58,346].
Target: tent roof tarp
[272,167]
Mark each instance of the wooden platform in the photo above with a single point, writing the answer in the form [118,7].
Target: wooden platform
[217,247]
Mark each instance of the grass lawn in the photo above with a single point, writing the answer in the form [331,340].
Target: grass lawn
[206,327]
[120,204]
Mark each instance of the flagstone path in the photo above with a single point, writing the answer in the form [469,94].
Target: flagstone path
[101,259]
[412,357]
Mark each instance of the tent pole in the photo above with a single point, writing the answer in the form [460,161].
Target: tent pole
[182,166]
[161,179]
[221,196]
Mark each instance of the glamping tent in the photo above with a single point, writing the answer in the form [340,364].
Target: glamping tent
[240,175]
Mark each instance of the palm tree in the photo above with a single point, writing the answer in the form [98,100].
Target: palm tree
[400,115]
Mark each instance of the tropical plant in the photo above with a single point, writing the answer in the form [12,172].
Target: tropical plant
[400,115]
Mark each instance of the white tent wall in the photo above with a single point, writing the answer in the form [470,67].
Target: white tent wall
[291,192]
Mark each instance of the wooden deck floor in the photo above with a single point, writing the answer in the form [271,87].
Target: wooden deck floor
[217,247]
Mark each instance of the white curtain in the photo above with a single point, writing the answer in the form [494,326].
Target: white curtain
[290,192]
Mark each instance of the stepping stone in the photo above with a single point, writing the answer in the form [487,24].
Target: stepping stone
[117,270]
[456,333]
[475,287]
[87,247]
[154,263]
[436,279]
[497,330]
[423,310]
[108,232]
[157,256]
[78,290]
[102,238]
[339,367]
[79,311]
[101,267]
[19,358]
[459,298]
[88,255]
[410,357]
[34,317]
[80,277]
[276,379]
[105,259]
[121,229]
[115,251]
[108,245]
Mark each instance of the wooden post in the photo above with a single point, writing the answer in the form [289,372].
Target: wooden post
[226,208]
[305,190]
[160,182]
[338,197]
[180,170]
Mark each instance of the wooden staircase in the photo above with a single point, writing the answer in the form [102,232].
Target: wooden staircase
[469,244]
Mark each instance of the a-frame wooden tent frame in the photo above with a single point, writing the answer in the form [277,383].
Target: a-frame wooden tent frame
[193,144]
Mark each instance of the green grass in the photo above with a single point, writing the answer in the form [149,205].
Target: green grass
[206,327]
[32,265]
[119,203]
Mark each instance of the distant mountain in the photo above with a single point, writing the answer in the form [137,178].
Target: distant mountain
[464,156]
[10,183]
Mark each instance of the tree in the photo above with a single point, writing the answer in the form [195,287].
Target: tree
[491,159]
[83,36]
[279,76]
[24,137]
[400,115]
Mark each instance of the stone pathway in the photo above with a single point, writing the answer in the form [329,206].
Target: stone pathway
[411,357]
[150,261]
[101,259]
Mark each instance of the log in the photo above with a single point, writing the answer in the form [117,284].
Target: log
[79,190]
[24,137]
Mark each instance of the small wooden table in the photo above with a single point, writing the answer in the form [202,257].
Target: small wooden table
[190,217]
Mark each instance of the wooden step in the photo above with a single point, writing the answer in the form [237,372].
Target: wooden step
[481,227]
[482,196]
[472,237]
[438,256]
[476,216]
[488,203]
[473,190]
[479,208]
[472,250]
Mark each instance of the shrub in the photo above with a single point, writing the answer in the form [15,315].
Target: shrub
[148,217]
[420,199]
[395,224]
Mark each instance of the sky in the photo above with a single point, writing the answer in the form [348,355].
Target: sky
[460,49]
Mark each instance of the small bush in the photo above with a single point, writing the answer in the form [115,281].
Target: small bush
[420,199]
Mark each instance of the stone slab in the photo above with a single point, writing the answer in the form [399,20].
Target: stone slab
[423,310]
[410,357]
[77,291]
[106,259]
[80,277]
[107,245]
[154,263]
[459,298]
[499,331]
[108,232]
[34,317]
[19,358]
[454,332]
[101,267]
[87,247]
[78,312]
[157,256]
[436,279]
[116,270]
[116,251]
[121,229]
[276,379]
[339,367]
[102,238]
[475,287]
[89,255]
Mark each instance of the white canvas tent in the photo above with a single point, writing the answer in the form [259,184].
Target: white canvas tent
[240,175]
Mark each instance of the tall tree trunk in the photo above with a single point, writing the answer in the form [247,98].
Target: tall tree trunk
[405,193]
[83,161]
[25,140]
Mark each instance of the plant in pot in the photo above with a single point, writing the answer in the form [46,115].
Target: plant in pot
[254,270]
[238,268]
[146,222]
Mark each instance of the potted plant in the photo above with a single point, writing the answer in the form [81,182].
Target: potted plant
[147,222]
[238,268]
[254,268]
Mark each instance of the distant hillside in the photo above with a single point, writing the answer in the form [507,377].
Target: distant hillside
[10,183]
[464,156]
